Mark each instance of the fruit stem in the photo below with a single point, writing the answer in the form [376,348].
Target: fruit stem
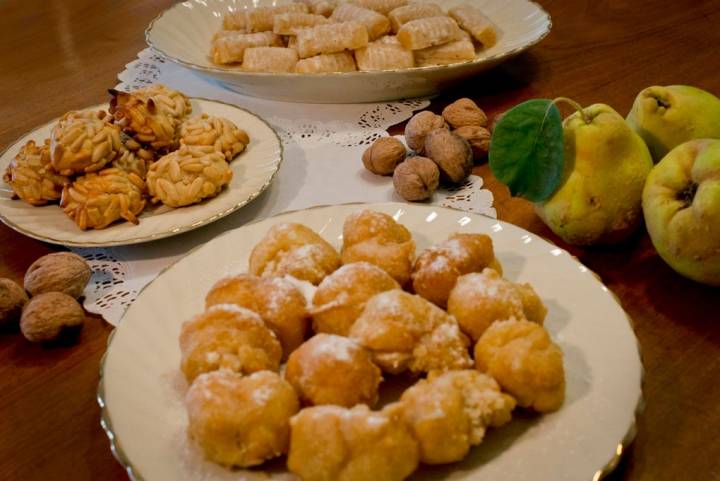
[586,118]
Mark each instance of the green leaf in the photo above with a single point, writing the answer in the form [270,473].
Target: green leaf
[526,150]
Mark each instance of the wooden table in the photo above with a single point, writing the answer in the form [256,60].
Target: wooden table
[61,55]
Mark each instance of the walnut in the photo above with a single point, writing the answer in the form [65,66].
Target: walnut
[384,155]
[451,153]
[478,138]
[12,300]
[49,315]
[464,112]
[419,126]
[416,178]
[58,272]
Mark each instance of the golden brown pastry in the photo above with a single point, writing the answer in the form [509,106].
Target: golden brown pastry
[96,200]
[479,299]
[330,369]
[406,332]
[295,250]
[331,443]
[280,304]
[524,360]
[227,337]
[31,176]
[240,420]
[340,298]
[449,412]
[376,238]
[83,142]
[436,269]
[169,101]
[188,175]
[223,135]
[133,158]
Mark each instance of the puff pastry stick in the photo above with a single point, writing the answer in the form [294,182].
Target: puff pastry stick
[427,32]
[270,59]
[234,20]
[289,23]
[330,62]
[402,15]
[331,38]
[381,6]
[321,7]
[384,56]
[472,20]
[260,19]
[377,24]
[452,52]
[229,46]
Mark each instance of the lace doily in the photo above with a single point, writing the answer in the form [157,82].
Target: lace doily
[321,142]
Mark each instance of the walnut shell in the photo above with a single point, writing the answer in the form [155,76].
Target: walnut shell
[12,300]
[49,315]
[419,126]
[464,112]
[384,155]
[58,272]
[477,137]
[451,153]
[416,178]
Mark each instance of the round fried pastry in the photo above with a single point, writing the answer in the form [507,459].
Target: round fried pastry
[525,361]
[436,269]
[355,444]
[227,337]
[280,304]
[341,296]
[377,238]
[240,421]
[330,369]
[295,250]
[407,332]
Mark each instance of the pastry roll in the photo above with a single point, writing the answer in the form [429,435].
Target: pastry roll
[331,38]
[234,20]
[389,40]
[377,24]
[230,47]
[453,52]
[382,6]
[260,19]
[289,23]
[330,62]
[475,23]
[270,59]
[321,7]
[402,15]
[384,56]
[427,32]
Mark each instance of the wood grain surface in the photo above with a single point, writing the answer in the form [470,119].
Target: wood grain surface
[58,55]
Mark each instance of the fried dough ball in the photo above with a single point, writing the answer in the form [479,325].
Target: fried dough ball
[406,332]
[227,337]
[295,250]
[376,238]
[331,443]
[479,299]
[31,176]
[240,420]
[330,369]
[436,269]
[280,304]
[341,296]
[524,360]
[449,412]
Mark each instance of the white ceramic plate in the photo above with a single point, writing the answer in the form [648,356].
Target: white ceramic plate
[141,388]
[253,170]
[184,31]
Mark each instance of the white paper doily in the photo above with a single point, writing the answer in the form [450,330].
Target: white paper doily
[323,144]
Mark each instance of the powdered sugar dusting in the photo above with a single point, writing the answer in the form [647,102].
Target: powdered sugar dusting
[338,347]
[306,288]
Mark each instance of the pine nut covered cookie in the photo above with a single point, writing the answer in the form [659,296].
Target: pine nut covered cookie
[83,142]
[31,176]
[220,133]
[188,175]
